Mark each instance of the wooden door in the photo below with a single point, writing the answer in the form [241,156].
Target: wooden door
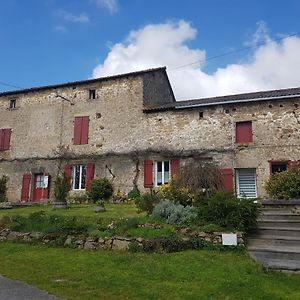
[41,187]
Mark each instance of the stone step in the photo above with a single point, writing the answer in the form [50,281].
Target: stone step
[279,224]
[265,231]
[280,218]
[266,253]
[266,236]
[285,265]
[266,242]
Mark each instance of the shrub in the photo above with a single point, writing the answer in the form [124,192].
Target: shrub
[224,209]
[174,213]
[100,189]
[134,194]
[284,185]
[62,186]
[78,198]
[147,201]
[3,188]
[201,176]
[176,193]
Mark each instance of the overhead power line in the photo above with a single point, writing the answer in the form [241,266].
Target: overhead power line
[232,52]
[10,85]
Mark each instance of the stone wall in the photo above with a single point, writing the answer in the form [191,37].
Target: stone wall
[116,243]
[122,135]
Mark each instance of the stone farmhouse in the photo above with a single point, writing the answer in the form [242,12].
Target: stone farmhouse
[130,129]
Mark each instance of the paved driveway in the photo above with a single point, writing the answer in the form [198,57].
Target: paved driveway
[17,290]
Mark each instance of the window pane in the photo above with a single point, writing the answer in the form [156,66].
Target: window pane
[278,167]
[83,175]
[76,177]
[167,166]
[159,166]
[247,183]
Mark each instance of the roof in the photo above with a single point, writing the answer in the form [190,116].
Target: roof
[81,82]
[231,99]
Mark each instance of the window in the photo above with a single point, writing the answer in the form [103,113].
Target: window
[279,166]
[12,103]
[79,177]
[92,94]
[246,183]
[243,132]
[81,130]
[5,135]
[162,172]
[41,181]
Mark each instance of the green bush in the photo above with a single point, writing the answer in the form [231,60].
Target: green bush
[284,185]
[100,190]
[62,186]
[173,213]
[225,210]
[147,201]
[3,188]
[134,194]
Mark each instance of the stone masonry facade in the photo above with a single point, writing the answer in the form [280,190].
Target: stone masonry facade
[133,118]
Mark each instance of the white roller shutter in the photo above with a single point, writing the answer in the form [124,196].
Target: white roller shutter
[246,183]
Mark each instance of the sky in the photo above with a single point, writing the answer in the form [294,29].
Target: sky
[210,48]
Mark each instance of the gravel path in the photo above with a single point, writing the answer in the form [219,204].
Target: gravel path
[17,290]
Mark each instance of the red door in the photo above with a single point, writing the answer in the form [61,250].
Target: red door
[41,187]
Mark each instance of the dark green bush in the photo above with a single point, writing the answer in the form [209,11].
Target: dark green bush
[147,201]
[100,190]
[284,185]
[224,209]
[3,188]
[134,194]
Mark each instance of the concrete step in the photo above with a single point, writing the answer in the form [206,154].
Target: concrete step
[280,218]
[279,224]
[266,236]
[266,253]
[286,265]
[265,231]
[265,242]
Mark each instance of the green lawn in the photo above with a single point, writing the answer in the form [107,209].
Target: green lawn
[81,274]
[79,210]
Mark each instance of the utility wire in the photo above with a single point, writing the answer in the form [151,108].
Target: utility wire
[232,52]
[10,85]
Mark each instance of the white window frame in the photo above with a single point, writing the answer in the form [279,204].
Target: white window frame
[80,177]
[238,184]
[163,173]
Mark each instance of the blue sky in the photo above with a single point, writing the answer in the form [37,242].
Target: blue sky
[53,41]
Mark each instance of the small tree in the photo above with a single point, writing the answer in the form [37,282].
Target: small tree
[3,188]
[62,187]
[284,185]
[100,190]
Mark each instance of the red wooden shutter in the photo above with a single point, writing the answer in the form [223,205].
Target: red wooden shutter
[77,131]
[84,130]
[81,130]
[294,164]
[243,132]
[25,187]
[68,170]
[227,179]
[148,173]
[175,167]
[1,139]
[6,138]
[90,170]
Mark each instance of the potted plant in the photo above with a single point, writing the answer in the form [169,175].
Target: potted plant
[99,192]
[62,186]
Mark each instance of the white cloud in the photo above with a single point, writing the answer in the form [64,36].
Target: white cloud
[60,28]
[69,17]
[270,66]
[111,5]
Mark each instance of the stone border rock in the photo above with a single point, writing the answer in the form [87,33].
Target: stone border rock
[114,243]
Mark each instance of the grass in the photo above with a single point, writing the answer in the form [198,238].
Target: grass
[80,274]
